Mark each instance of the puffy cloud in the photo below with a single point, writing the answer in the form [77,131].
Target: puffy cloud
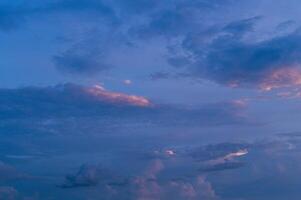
[178,190]
[151,185]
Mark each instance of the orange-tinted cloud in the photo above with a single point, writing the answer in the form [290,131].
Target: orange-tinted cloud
[116,97]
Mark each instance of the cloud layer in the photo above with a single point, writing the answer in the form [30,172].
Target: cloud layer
[78,101]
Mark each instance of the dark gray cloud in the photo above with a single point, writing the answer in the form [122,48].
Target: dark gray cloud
[88,175]
[229,59]
[251,64]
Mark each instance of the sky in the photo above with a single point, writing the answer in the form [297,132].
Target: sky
[150,100]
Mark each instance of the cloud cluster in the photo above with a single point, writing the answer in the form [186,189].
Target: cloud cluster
[148,184]
[114,24]
[216,51]
[189,172]
[195,38]
[178,173]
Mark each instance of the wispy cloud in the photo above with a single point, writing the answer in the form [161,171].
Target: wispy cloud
[102,94]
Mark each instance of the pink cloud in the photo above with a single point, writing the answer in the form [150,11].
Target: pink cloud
[284,77]
[116,97]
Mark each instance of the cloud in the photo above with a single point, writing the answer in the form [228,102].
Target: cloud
[283,26]
[13,16]
[152,186]
[80,63]
[161,154]
[178,190]
[241,27]
[220,157]
[228,58]
[100,93]
[217,51]
[83,57]
[68,99]
[127,82]
[76,101]
[221,151]
[161,178]
[279,78]
[171,20]
[88,175]
[115,22]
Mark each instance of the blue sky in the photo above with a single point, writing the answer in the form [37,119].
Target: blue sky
[140,99]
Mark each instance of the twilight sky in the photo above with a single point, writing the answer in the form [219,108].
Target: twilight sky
[150,99]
